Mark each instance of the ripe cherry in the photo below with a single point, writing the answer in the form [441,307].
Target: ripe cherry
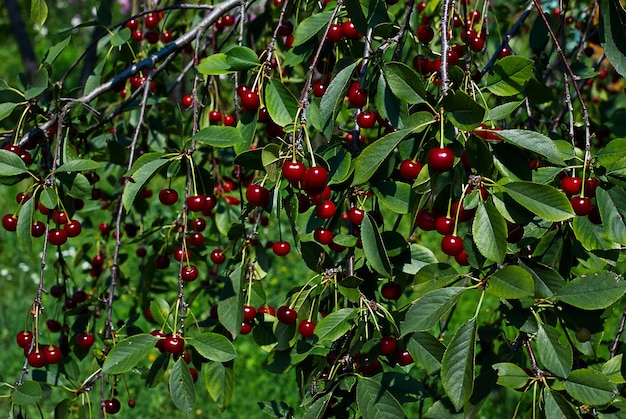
[111,406]
[196,203]
[9,222]
[293,171]
[323,235]
[462,258]
[387,345]
[228,120]
[265,309]
[167,36]
[591,185]
[196,239]
[187,101]
[24,338]
[257,195]
[391,290]
[218,257]
[326,210]
[319,87]
[441,159]
[349,31]
[403,358]
[306,328]
[249,313]
[444,225]
[281,248]
[581,205]
[250,100]
[366,119]
[52,354]
[315,180]
[85,340]
[215,116]
[189,273]
[425,34]
[73,228]
[180,254]
[173,344]
[151,20]
[451,245]
[161,261]
[37,359]
[357,96]
[356,215]
[57,237]
[54,325]
[409,169]
[426,220]
[335,33]
[286,315]
[198,225]
[571,185]
[168,196]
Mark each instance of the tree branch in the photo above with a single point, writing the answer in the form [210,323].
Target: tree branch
[31,64]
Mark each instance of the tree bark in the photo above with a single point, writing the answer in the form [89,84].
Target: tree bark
[31,64]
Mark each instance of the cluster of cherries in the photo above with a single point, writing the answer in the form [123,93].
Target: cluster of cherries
[581,199]
[150,24]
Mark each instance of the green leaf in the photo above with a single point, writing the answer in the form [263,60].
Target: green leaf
[310,27]
[219,380]
[613,369]
[6,109]
[79,165]
[24,225]
[533,141]
[613,155]
[366,164]
[592,236]
[457,365]
[509,75]
[396,196]
[428,310]
[543,200]
[463,111]
[420,257]
[11,164]
[318,408]
[334,95]
[373,246]
[219,136]
[38,11]
[214,65]
[511,282]
[556,406]
[49,198]
[608,202]
[56,50]
[503,111]
[590,387]
[335,325]
[489,232]
[375,402]
[161,312]
[128,353]
[242,58]
[553,351]
[426,350]
[612,34]
[213,346]
[140,177]
[593,292]
[28,393]
[230,307]
[278,409]
[120,37]
[181,387]
[404,82]
[280,103]
[547,281]
[511,375]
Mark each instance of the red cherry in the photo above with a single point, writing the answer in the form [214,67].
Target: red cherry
[59,217]
[249,313]
[168,196]
[265,309]
[425,34]
[151,20]
[421,6]
[505,52]
[161,261]
[85,340]
[581,205]
[250,100]
[477,43]
[198,225]
[451,245]
[315,180]
[24,338]
[73,228]
[57,237]
[161,338]
[132,24]
[391,290]
[356,215]
[211,202]
[326,210]
[403,358]
[286,28]
[335,33]
[281,248]
[410,169]
[167,36]
[218,257]
[357,97]
[180,255]
[215,116]
[366,119]
[173,344]
[426,220]
[53,354]
[571,185]
[462,258]
[9,222]
[37,229]
[246,327]
[441,159]
[257,195]
[111,406]
[189,273]
[293,171]
[306,328]
[196,239]
[196,203]
[37,359]
[349,31]
[319,88]
[286,315]
[187,101]
[228,120]
[444,225]
[151,36]
[463,214]
[387,345]
[323,235]
[53,325]
[590,187]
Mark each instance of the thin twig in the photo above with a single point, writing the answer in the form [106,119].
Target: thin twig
[618,335]
[445,46]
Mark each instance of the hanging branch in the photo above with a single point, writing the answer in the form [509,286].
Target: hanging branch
[445,46]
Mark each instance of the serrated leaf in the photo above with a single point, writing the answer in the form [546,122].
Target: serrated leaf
[242,58]
[28,393]
[24,225]
[556,406]
[373,246]
[511,375]
[543,200]
[590,387]
[592,236]
[553,351]
[230,307]
[533,141]
[375,402]
[11,164]
[489,232]
[38,11]
[219,380]
[280,103]
[182,390]
[214,65]
[219,136]
[509,75]
[333,97]
[612,35]
[139,178]
[511,282]
[128,353]
[396,196]
[310,27]
[608,202]
[613,369]
[404,82]
[457,365]
[593,292]
[463,111]
[318,407]
[370,159]
[161,312]
[79,165]
[213,346]
[426,350]
[428,310]
[503,111]
[335,325]
[49,198]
